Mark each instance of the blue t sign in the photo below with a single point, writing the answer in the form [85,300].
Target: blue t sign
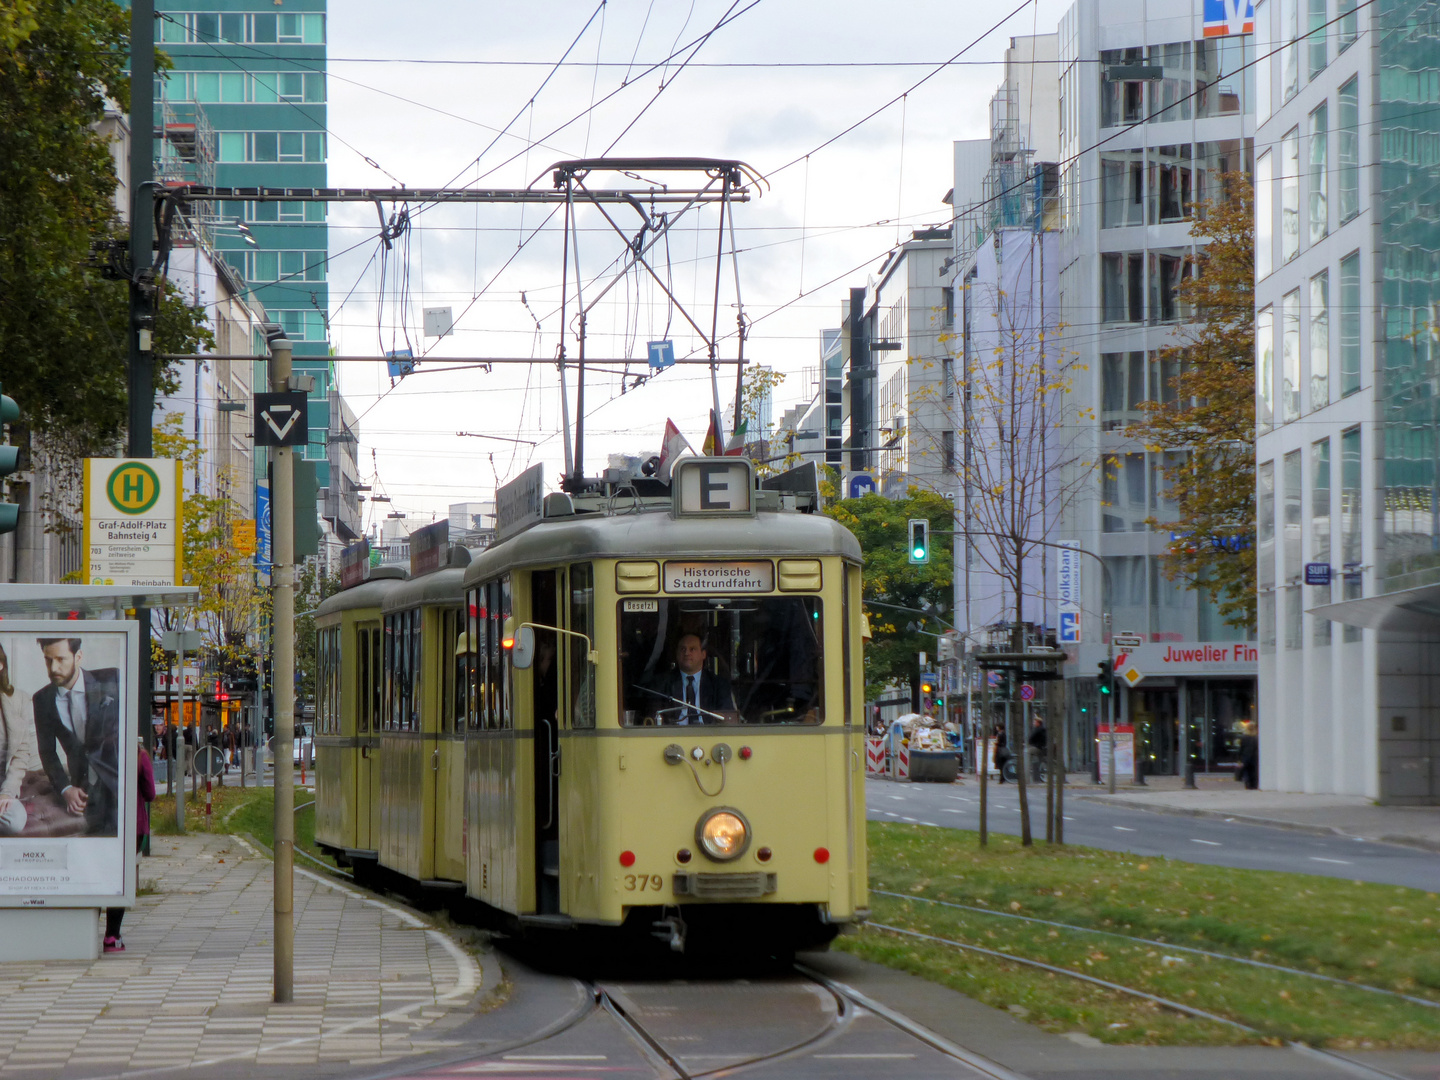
[861,484]
[662,354]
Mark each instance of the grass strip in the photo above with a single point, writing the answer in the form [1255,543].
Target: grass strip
[1311,923]
[242,810]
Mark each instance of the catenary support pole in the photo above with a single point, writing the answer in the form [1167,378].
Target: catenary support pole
[283,687]
[982,744]
[139,334]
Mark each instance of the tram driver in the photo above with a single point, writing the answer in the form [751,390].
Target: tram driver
[690,685]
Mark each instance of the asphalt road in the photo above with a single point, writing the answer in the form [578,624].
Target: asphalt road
[1210,841]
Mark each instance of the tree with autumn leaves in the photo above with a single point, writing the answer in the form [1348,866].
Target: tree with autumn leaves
[1212,412]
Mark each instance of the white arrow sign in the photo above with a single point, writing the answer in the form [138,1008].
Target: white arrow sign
[280,431]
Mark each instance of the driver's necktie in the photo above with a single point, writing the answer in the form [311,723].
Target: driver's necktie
[691,716]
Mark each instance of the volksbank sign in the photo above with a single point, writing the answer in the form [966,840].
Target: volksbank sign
[1226,17]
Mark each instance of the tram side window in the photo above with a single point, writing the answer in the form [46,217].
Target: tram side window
[327,698]
[582,621]
[417,680]
[362,681]
[402,670]
[762,659]
[491,602]
[377,680]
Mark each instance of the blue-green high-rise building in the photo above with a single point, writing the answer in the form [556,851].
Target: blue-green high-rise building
[251,74]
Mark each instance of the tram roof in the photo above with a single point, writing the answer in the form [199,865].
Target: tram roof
[441,587]
[660,535]
[368,594]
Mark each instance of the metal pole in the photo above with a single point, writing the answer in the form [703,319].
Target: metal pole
[1186,734]
[982,747]
[139,334]
[1057,770]
[283,683]
[179,762]
[1110,697]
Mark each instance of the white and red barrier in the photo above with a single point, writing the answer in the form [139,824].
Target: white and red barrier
[874,757]
[879,761]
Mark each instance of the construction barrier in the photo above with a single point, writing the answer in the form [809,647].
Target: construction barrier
[874,757]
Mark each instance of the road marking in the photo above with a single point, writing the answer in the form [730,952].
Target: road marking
[863,1057]
[1337,862]
[556,1057]
[930,823]
[909,819]
[1122,828]
[1067,817]
[1212,843]
[950,810]
[898,798]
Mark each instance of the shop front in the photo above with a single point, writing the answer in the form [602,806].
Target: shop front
[1166,689]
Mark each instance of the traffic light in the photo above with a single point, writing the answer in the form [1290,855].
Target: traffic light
[919,540]
[9,462]
[1106,678]
[929,685]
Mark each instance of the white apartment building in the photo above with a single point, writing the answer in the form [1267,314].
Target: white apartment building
[1154,102]
[1347,368]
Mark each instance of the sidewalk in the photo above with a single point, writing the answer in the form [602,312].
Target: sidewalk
[192,990]
[1222,797]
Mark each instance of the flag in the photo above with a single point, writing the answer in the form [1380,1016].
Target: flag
[736,444]
[711,446]
[670,448]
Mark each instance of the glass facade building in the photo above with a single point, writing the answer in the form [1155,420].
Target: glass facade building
[1347,699]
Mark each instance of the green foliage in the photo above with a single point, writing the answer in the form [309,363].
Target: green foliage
[890,578]
[62,325]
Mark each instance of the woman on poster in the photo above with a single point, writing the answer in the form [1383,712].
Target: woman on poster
[17,751]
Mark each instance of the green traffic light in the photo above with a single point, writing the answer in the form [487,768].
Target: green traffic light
[919,553]
[1104,688]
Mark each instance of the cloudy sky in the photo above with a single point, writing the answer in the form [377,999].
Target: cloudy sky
[433,94]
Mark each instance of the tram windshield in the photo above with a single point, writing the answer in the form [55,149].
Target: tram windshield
[721,660]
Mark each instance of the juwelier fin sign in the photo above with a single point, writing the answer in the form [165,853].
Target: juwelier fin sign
[133,522]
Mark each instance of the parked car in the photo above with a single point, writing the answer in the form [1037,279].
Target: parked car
[304,744]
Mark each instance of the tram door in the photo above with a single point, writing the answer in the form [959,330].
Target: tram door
[545,675]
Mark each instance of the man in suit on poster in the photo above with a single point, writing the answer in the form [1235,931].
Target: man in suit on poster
[79,713]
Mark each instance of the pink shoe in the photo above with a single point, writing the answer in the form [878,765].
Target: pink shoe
[114,944]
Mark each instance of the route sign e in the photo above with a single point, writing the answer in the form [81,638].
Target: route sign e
[1128,641]
[281,419]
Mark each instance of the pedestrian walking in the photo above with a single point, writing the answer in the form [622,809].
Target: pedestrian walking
[144,796]
[1002,751]
[1249,771]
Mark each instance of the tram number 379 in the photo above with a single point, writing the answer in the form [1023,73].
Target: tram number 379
[643,882]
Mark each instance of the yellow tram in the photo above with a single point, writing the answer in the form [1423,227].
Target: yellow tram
[640,708]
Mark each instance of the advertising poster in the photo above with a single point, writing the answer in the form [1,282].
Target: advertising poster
[67,763]
[1124,751]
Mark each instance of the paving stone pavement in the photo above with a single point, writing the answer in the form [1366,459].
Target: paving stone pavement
[192,990]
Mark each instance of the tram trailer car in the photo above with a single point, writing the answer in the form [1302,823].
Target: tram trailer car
[593,793]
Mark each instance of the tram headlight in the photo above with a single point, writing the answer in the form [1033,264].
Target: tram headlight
[722,833]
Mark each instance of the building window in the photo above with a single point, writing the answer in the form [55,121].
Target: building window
[1122,391]
[1123,493]
[1350,324]
[1319,189]
[1170,95]
[1223,82]
[1290,195]
[1349,25]
[1263,63]
[1294,619]
[1122,100]
[1315,46]
[1350,521]
[1167,270]
[1122,189]
[1264,216]
[1170,179]
[1348,165]
[1290,357]
[1293,521]
[947,450]
[1122,287]
[1289,49]
[1265,368]
[1265,515]
[1320,529]
[1320,340]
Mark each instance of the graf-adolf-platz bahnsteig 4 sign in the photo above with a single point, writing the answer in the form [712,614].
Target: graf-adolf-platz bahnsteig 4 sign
[132,522]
